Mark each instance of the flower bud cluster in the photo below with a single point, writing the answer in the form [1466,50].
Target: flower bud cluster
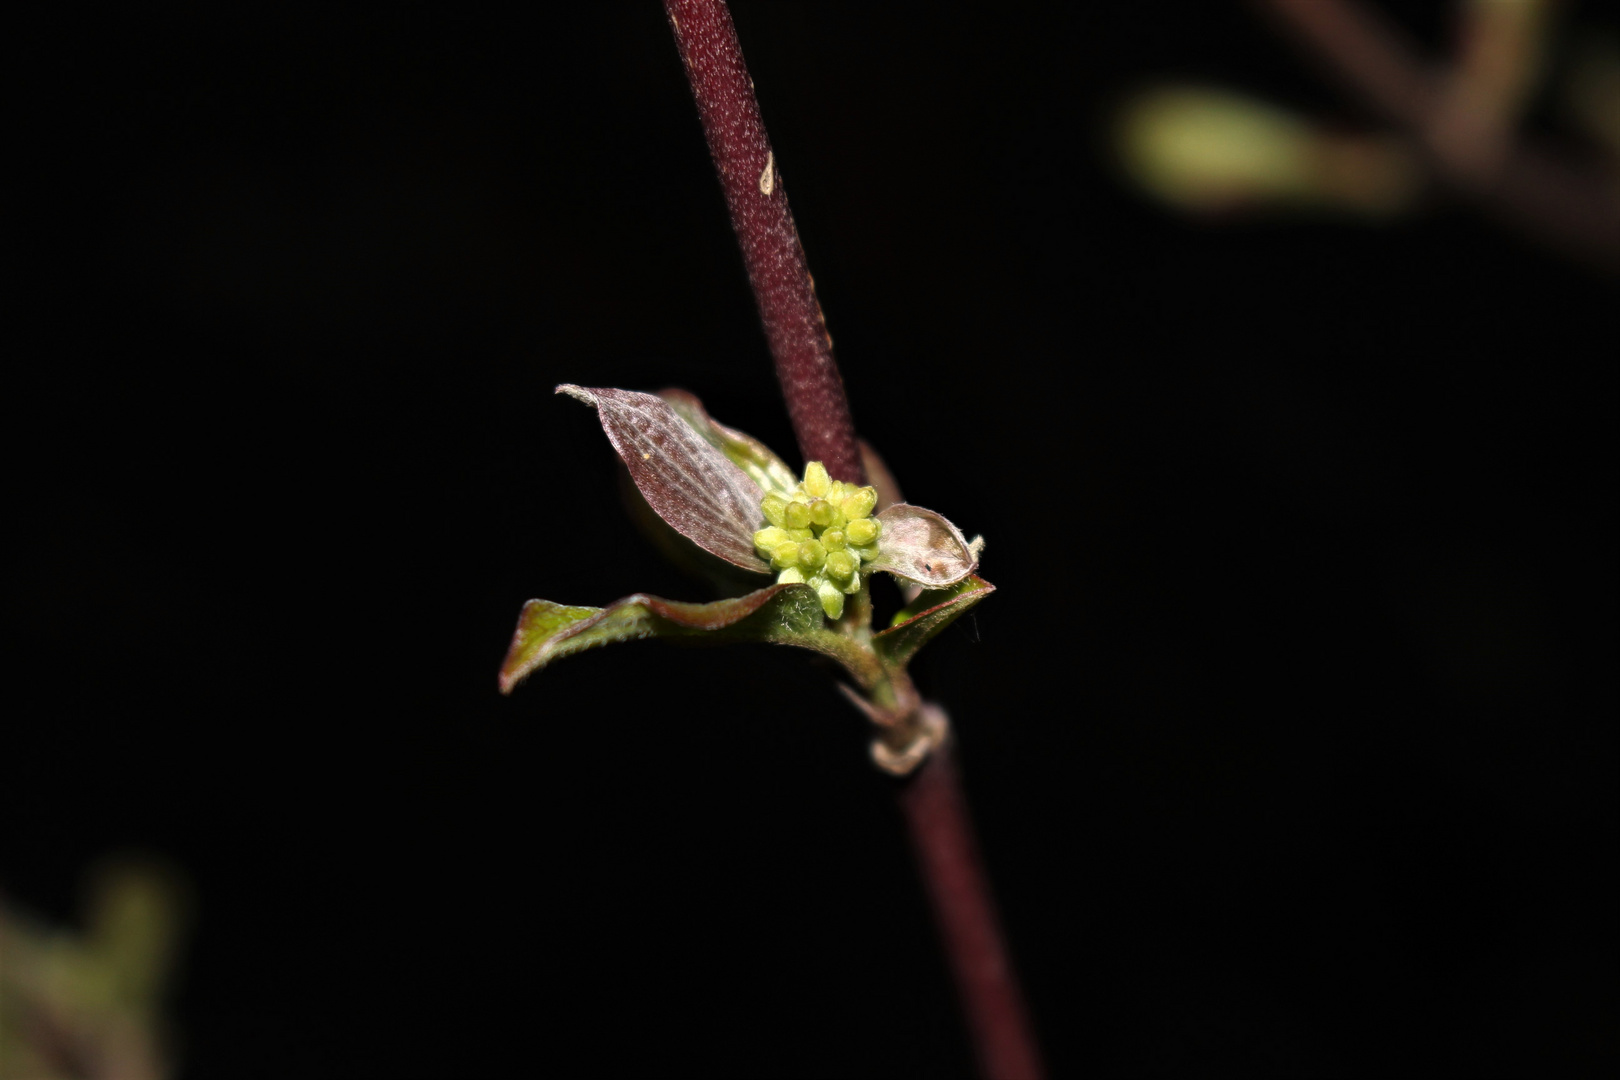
[820,534]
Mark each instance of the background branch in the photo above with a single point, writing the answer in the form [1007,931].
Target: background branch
[1538,194]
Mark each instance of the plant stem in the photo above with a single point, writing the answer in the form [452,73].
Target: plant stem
[931,799]
[758,204]
[946,849]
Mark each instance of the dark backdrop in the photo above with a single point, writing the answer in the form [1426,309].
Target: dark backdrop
[1291,730]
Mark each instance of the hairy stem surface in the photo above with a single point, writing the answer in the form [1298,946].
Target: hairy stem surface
[931,799]
[782,285]
[942,838]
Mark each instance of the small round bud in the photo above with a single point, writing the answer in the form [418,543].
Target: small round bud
[796,515]
[786,555]
[799,536]
[862,532]
[812,556]
[822,512]
[832,599]
[833,539]
[773,506]
[816,481]
[840,564]
[840,491]
[866,553]
[860,503]
[768,540]
[790,576]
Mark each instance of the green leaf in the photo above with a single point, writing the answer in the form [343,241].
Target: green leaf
[746,452]
[933,610]
[782,614]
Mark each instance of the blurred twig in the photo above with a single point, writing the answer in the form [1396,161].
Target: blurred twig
[90,1005]
[1548,199]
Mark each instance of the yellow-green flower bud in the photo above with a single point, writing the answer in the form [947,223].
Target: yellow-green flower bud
[833,539]
[796,515]
[866,553]
[812,556]
[840,564]
[791,576]
[832,600]
[799,536]
[773,506]
[768,540]
[840,491]
[863,532]
[860,503]
[785,555]
[816,481]
[822,512]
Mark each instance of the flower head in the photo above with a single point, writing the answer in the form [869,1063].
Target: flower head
[731,496]
[820,536]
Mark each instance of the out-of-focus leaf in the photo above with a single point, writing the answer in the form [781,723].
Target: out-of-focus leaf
[688,482]
[932,611]
[1592,90]
[746,452]
[922,546]
[782,614]
[1208,150]
[93,1003]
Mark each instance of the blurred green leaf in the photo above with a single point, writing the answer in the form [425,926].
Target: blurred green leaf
[1208,150]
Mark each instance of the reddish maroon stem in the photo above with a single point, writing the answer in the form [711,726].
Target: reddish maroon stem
[752,181]
[947,851]
[935,811]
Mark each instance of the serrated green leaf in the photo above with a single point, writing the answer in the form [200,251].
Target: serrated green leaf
[746,452]
[932,611]
[780,614]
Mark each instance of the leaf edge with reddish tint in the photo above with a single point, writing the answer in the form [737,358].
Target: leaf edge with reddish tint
[899,643]
[779,614]
[689,483]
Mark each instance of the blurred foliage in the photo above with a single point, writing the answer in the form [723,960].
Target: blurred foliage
[89,1004]
[1592,93]
[1210,150]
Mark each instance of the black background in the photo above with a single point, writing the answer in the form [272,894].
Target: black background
[1290,732]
